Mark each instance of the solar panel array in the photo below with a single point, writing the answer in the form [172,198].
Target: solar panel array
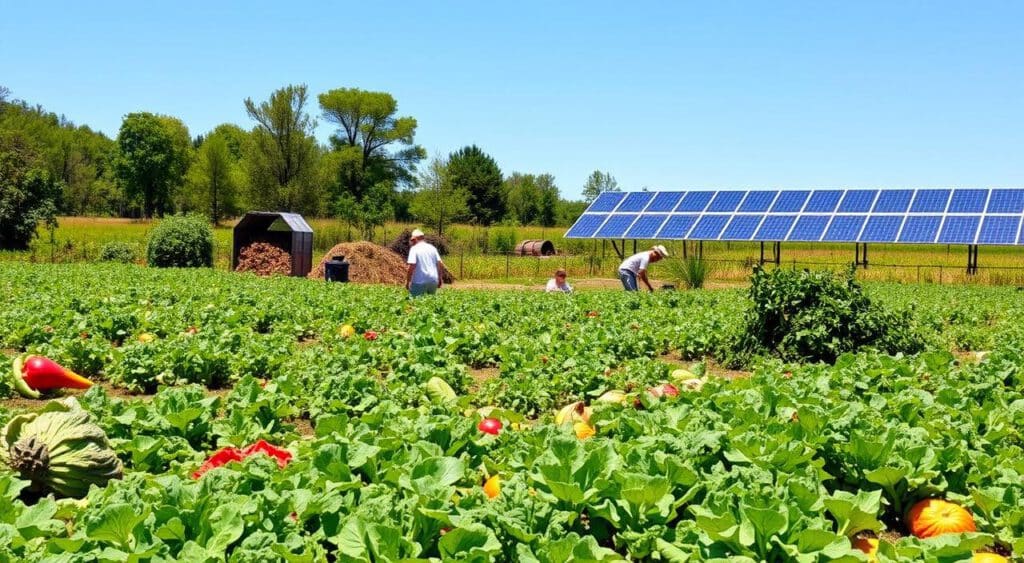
[936,216]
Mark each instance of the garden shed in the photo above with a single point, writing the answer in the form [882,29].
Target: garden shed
[287,231]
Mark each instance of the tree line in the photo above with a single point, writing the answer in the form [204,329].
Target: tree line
[370,171]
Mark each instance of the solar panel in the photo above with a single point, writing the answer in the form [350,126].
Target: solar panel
[921,228]
[894,201]
[998,229]
[882,228]
[823,201]
[930,201]
[925,216]
[586,225]
[615,226]
[726,202]
[845,228]
[606,201]
[646,226]
[758,202]
[665,202]
[775,227]
[1006,201]
[677,226]
[635,201]
[742,227]
[960,229]
[709,227]
[857,201]
[968,201]
[695,201]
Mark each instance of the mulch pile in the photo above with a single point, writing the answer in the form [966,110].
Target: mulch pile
[400,246]
[369,263]
[264,259]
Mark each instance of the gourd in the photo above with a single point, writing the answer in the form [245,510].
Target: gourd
[438,390]
[59,450]
[868,545]
[987,557]
[932,517]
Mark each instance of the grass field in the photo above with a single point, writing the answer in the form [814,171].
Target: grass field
[476,253]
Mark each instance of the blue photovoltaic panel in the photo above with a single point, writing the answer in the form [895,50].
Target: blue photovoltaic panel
[959,229]
[635,201]
[615,226]
[646,226]
[894,201]
[968,201]
[930,201]
[665,202]
[695,201]
[790,202]
[775,227]
[586,225]
[677,226]
[1006,201]
[882,228]
[758,202]
[726,202]
[606,201]
[921,228]
[742,227]
[845,228]
[823,201]
[999,230]
[709,227]
[857,201]
[809,228]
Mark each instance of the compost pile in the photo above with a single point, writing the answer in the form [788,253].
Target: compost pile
[264,259]
[369,263]
[400,246]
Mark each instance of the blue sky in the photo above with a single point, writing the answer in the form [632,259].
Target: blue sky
[664,95]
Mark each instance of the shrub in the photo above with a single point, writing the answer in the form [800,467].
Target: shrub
[181,241]
[816,316]
[118,251]
[691,272]
[503,239]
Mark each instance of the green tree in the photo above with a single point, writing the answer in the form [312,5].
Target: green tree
[151,159]
[438,201]
[522,198]
[214,178]
[374,210]
[27,191]
[368,130]
[547,205]
[474,171]
[283,154]
[599,182]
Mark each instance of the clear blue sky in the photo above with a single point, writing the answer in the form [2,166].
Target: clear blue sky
[661,94]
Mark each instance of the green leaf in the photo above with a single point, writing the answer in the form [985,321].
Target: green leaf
[471,540]
[855,513]
[116,524]
[37,520]
[226,527]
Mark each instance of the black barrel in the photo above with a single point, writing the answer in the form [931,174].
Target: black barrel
[336,269]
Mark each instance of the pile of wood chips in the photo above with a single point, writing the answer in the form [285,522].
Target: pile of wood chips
[264,259]
[368,263]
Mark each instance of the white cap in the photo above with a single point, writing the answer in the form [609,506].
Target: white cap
[660,250]
[416,234]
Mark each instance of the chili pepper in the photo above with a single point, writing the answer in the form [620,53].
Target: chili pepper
[37,373]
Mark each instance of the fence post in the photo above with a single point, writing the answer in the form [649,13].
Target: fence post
[462,258]
[940,275]
[508,260]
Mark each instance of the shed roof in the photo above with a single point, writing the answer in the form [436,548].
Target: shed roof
[264,219]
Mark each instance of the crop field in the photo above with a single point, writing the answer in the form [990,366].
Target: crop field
[485,426]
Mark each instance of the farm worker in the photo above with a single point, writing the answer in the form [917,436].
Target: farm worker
[424,274]
[558,283]
[636,267]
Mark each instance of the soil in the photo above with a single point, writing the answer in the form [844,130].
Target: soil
[711,367]
[368,263]
[481,375]
[264,259]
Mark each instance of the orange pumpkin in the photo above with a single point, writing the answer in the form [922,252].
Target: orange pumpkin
[932,517]
[987,557]
[868,545]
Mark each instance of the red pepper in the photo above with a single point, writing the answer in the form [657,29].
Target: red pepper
[370,335]
[282,455]
[223,456]
[38,373]
[226,455]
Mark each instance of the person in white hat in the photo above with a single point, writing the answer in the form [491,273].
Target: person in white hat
[425,273]
[635,267]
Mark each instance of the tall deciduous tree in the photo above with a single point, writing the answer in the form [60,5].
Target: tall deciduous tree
[599,182]
[474,171]
[214,178]
[27,191]
[374,145]
[282,160]
[151,159]
[438,201]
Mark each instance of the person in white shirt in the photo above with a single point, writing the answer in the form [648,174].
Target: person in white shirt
[558,283]
[635,267]
[425,273]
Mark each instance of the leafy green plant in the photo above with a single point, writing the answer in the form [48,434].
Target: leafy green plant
[116,251]
[691,271]
[181,241]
